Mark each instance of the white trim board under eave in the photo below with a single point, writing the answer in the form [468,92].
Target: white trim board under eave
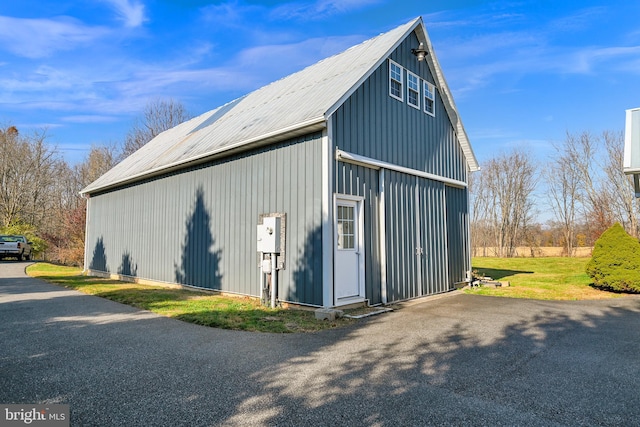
[379,164]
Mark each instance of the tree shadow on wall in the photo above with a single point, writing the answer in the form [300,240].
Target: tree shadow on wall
[127,266]
[99,258]
[199,264]
[307,277]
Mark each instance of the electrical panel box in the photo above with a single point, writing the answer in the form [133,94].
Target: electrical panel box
[269,235]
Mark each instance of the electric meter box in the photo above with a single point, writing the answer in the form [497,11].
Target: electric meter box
[269,235]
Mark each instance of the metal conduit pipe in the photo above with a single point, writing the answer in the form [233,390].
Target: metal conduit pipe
[274,280]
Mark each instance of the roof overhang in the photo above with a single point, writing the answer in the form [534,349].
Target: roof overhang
[304,128]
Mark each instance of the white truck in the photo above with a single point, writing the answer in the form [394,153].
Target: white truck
[13,246]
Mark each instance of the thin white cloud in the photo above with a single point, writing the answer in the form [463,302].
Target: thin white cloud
[43,78]
[295,55]
[89,118]
[228,14]
[579,20]
[38,38]
[493,134]
[319,9]
[507,51]
[540,60]
[131,12]
[38,126]
[621,58]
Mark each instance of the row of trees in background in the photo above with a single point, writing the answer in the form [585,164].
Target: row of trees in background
[582,189]
[40,191]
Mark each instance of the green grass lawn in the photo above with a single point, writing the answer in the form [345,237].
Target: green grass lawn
[552,278]
[536,278]
[203,308]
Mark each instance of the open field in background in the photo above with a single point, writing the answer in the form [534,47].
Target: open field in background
[528,252]
[550,278]
[203,308]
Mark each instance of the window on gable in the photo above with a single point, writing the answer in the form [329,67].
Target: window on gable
[395,80]
[413,90]
[429,93]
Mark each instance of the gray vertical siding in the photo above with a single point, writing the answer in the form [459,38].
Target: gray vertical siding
[361,181]
[416,241]
[198,227]
[458,233]
[433,233]
[373,124]
[403,264]
[419,213]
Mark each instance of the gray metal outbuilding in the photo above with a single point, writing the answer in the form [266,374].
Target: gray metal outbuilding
[365,154]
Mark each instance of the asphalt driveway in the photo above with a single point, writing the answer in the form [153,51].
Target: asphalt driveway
[455,360]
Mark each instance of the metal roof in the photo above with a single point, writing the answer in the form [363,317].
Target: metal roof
[296,104]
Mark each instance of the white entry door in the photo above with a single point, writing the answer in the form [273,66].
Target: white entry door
[348,250]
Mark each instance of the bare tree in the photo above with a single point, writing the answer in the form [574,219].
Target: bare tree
[585,150]
[506,193]
[624,204]
[43,162]
[26,177]
[564,191]
[12,156]
[606,194]
[100,159]
[158,116]
[65,232]
[480,231]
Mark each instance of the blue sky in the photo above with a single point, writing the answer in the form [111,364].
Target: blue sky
[522,73]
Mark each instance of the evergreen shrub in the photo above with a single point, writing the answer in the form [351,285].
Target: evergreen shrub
[615,262]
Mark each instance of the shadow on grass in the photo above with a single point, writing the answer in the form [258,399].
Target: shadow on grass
[261,320]
[202,308]
[497,273]
[77,281]
[626,291]
[146,299]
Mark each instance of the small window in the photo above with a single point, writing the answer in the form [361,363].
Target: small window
[413,90]
[346,227]
[395,80]
[429,92]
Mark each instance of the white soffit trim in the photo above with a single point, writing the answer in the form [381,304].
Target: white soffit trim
[378,164]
